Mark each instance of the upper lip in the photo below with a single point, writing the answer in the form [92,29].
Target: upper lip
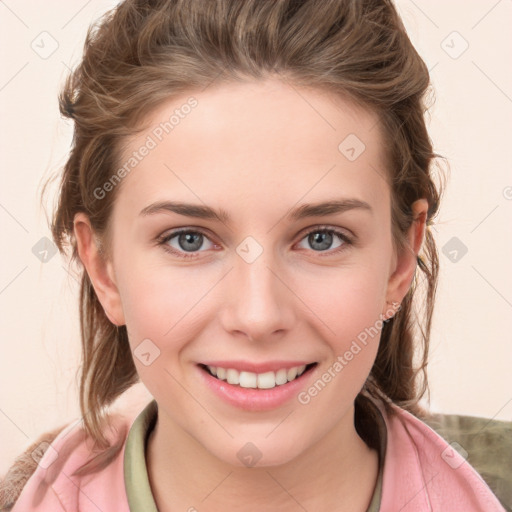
[251,366]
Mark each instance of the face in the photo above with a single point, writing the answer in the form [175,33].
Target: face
[262,289]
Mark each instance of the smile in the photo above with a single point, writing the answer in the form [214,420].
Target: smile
[256,386]
[266,380]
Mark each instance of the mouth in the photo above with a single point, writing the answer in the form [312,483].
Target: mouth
[264,380]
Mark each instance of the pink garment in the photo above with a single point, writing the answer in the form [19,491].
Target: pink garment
[422,473]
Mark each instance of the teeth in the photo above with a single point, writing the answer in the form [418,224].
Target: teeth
[232,376]
[248,380]
[291,373]
[265,380]
[281,377]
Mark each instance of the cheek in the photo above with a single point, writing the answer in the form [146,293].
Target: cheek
[348,300]
[156,302]
[348,306]
[163,303]
[159,304]
[349,318]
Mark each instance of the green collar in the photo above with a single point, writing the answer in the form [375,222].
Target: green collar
[138,490]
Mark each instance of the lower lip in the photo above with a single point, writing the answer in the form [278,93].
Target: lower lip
[254,399]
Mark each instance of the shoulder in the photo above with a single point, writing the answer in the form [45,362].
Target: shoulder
[485,443]
[62,470]
[12,483]
[425,471]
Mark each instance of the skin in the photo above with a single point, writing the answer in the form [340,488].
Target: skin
[256,150]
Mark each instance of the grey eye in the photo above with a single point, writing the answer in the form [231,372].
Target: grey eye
[187,241]
[321,240]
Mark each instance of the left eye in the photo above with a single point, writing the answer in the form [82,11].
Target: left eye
[322,239]
[190,241]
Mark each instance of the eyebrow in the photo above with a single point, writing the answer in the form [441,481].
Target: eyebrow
[301,212]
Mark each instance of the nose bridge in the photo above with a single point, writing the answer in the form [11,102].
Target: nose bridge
[259,302]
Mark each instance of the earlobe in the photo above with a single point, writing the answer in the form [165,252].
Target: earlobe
[401,279]
[99,269]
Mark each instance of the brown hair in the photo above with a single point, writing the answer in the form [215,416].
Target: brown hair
[143,52]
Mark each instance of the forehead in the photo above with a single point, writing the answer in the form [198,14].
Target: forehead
[254,145]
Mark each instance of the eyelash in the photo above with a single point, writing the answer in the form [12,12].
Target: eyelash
[162,240]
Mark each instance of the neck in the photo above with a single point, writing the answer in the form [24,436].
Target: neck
[338,472]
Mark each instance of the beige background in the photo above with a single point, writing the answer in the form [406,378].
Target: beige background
[471,349]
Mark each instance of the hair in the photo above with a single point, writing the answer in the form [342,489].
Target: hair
[145,52]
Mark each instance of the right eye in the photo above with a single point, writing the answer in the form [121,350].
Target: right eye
[187,241]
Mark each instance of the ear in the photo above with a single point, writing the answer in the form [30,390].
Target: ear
[406,259]
[99,269]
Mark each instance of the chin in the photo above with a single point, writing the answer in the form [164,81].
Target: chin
[258,453]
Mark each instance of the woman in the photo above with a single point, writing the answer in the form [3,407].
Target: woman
[249,193]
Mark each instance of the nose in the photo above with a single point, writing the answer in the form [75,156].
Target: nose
[258,302]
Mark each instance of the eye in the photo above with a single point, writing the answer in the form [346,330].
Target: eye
[187,241]
[321,238]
